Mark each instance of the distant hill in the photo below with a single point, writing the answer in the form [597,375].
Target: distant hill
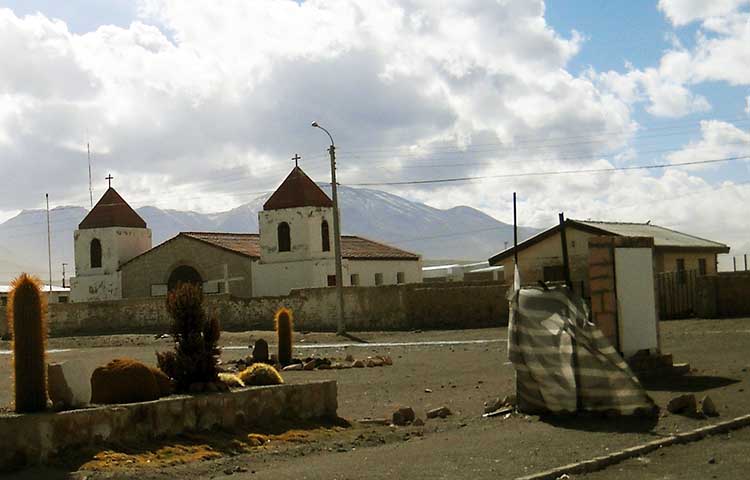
[456,233]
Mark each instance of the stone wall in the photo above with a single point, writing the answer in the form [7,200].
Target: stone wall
[30,439]
[393,307]
[724,295]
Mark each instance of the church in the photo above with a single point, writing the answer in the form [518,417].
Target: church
[114,258]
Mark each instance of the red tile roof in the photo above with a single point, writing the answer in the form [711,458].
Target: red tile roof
[112,211]
[247,244]
[297,190]
[353,247]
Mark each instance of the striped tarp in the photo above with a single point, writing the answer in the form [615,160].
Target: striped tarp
[563,362]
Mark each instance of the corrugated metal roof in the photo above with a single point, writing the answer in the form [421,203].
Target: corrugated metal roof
[663,237]
[297,190]
[112,211]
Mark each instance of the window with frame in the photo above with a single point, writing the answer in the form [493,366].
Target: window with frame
[354,279]
[95,251]
[325,238]
[284,237]
[378,279]
[331,280]
[702,266]
[554,273]
[400,277]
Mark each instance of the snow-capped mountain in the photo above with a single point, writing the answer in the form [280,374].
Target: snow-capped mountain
[456,233]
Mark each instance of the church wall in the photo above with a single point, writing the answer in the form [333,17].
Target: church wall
[154,267]
[95,288]
[274,279]
[306,241]
[394,307]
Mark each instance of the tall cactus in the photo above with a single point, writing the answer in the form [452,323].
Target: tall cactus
[27,315]
[283,321]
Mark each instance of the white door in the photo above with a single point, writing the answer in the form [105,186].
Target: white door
[636,302]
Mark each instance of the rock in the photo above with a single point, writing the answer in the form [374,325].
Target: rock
[370,362]
[387,360]
[712,460]
[403,416]
[123,381]
[358,364]
[685,404]
[310,365]
[260,351]
[418,422]
[377,362]
[427,390]
[292,367]
[349,358]
[324,366]
[708,407]
[441,412]
[69,383]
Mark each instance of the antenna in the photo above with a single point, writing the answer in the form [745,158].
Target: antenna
[49,244]
[91,191]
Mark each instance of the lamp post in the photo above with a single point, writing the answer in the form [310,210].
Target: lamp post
[340,328]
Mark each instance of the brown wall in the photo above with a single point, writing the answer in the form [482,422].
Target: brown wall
[724,295]
[154,267]
[393,307]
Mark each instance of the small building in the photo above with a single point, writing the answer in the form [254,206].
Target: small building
[54,295]
[111,234]
[462,272]
[540,257]
[294,249]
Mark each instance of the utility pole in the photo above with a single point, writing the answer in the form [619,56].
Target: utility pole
[340,328]
[49,245]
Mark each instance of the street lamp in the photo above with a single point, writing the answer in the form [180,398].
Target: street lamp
[340,328]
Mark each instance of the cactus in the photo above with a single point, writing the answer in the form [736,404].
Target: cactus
[260,374]
[283,322]
[196,338]
[231,380]
[27,312]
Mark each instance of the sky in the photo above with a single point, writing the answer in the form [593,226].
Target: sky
[201,105]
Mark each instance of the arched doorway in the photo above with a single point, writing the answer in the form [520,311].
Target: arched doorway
[184,274]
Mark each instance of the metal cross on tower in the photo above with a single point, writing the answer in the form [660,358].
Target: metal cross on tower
[296,157]
[109,179]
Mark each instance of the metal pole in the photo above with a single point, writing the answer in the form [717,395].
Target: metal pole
[515,233]
[49,244]
[746,262]
[734,261]
[341,327]
[63,274]
[564,241]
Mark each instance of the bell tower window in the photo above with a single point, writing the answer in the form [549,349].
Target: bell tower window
[284,237]
[325,237]
[96,253]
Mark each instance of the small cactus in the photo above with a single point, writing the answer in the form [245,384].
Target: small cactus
[260,374]
[283,322]
[231,380]
[27,312]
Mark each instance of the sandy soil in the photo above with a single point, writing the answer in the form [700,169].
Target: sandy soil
[460,376]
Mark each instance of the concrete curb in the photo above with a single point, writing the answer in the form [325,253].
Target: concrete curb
[602,462]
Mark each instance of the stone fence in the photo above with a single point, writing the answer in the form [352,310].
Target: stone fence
[394,307]
[34,438]
[724,295]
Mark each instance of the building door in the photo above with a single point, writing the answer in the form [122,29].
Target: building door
[636,301]
[184,274]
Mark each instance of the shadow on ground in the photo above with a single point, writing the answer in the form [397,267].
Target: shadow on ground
[599,423]
[687,383]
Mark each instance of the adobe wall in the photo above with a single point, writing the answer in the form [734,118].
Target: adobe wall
[724,295]
[394,307]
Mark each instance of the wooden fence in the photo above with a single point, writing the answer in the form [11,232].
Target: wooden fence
[676,294]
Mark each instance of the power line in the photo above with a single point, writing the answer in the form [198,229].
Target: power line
[549,173]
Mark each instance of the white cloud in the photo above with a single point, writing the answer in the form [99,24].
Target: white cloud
[747,105]
[682,12]
[718,140]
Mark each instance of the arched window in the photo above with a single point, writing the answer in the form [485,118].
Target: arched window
[96,253]
[325,237]
[285,240]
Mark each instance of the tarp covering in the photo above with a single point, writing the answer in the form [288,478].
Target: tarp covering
[563,362]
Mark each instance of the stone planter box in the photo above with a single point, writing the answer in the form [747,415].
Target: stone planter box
[33,438]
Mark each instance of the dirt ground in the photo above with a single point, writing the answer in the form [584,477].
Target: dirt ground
[459,375]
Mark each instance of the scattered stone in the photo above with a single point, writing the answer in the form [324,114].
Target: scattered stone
[427,390]
[349,358]
[493,405]
[358,364]
[260,351]
[377,362]
[684,404]
[310,365]
[418,422]
[441,412]
[403,416]
[370,362]
[324,366]
[387,360]
[708,407]
[69,383]
[712,460]
[292,367]
[373,421]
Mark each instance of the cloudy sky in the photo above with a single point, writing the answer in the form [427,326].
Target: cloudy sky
[201,104]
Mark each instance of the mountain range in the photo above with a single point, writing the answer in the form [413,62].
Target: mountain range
[456,233]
